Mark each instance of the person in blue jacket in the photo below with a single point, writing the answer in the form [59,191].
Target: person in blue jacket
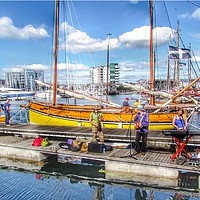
[142,119]
[7,112]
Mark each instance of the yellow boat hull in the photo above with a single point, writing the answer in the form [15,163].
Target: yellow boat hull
[71,116]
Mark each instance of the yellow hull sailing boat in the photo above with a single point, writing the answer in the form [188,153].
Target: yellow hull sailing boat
[66,115]
[72,115]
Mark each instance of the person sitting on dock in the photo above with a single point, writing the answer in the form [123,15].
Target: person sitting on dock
[126,106]
[7,112]
[96,118]
[142,121]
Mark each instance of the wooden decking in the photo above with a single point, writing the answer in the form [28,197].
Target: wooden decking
[156,139]
[125,154]
[159,145]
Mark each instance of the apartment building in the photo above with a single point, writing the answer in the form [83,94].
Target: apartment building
[24,79]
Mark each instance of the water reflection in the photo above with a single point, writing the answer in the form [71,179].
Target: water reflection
[179,196]
[86,181]
[140,195]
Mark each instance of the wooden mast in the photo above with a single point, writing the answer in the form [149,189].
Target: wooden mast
[168,74]
[178,61]
[55,53]
[189,67]
[151,53]
[108,67]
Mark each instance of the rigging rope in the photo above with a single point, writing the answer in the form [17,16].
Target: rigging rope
[169,20]
[193,3]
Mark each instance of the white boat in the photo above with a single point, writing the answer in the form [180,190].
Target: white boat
[13,93]
[48,95]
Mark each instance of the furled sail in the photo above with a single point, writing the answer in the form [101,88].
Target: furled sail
[167,95]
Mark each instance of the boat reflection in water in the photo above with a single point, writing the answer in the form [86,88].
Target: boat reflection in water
[87,180]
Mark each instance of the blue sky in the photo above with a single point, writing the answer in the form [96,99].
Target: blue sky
[26,36]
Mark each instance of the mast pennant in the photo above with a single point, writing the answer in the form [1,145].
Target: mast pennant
[179,53]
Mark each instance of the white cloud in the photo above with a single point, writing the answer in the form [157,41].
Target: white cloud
[184,16]
[75,67]
[197,35]
[196,58]
[133,66]
[37,67]
[196,14]
[19,68]
[65,27]
[139,37]
[131,71]
[78,41]
[134,1]
[77,73]
[8,30]
[73,73]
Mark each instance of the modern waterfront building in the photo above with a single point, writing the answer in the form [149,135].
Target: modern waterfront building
[114,73]
[98,75]
[98,78]
[24,79]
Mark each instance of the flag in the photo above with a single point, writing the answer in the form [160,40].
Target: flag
[173,52]
[185,53]
[179,53]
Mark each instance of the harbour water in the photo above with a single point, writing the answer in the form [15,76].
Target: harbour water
[54,180]
[61,181]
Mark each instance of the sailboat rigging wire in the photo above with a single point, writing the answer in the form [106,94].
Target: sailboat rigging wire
[182,42]
[69,66]
[169,21]
[194,71]
[67,56]
[81,29]
[155,51]
[196,61]
[26,106]
[193,3]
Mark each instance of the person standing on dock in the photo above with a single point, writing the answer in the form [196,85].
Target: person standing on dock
[96,119]
[142,121]
[7,112]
